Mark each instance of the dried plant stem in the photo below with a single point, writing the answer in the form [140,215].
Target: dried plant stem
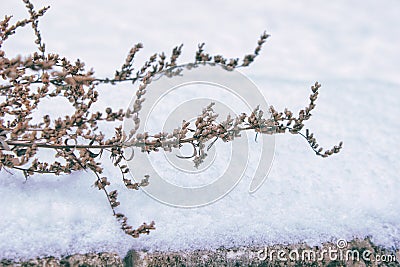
[25,82]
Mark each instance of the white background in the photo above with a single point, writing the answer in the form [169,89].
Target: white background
[351,47]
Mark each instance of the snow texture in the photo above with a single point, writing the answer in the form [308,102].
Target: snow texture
[351,47]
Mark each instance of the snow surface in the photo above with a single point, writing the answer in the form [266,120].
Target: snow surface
[351,47]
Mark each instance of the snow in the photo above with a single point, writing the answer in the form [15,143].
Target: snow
[349,47]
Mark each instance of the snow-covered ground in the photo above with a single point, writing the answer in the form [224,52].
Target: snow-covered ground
[351,47]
